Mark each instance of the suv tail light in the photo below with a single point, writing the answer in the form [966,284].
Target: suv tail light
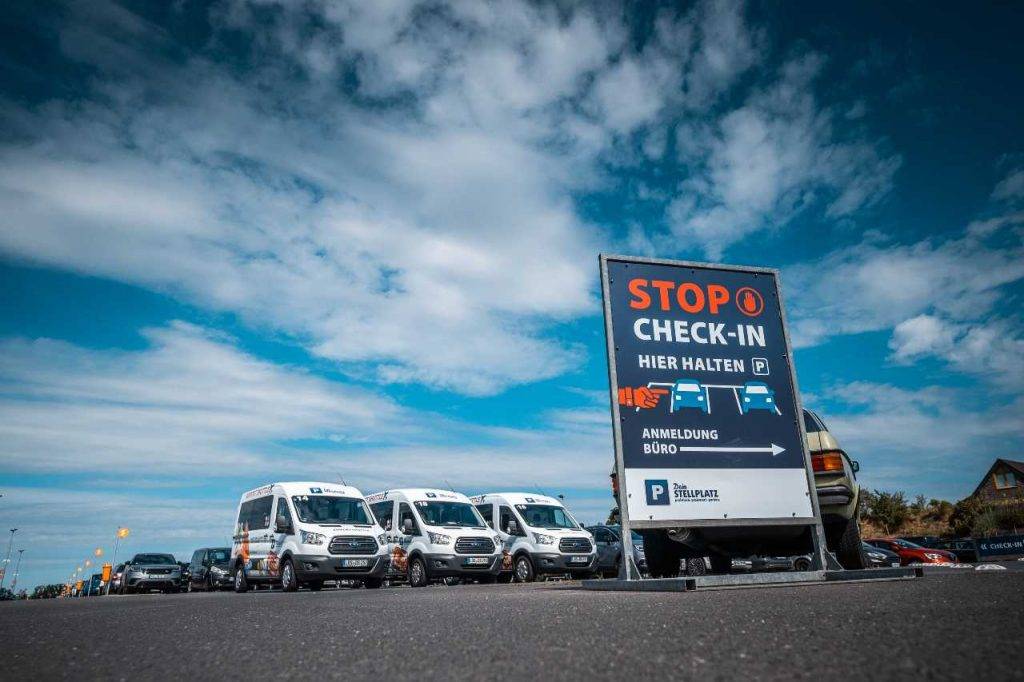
[830,460]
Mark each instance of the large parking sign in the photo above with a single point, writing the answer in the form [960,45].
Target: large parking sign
[707,421]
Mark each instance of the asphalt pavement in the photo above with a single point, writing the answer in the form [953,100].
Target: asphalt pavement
[946,625]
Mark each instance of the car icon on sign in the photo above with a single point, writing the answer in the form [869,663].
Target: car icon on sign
[688,393]
[755,395]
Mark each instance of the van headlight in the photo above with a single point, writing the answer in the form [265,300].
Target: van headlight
[311,538]
[439,538]
[382,539]
[544,539]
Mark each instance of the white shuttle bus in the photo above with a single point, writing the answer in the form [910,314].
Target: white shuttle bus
[539,534]
[436,534]
[301,534]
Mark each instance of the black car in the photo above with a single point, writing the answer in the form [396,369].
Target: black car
[965,549]
[878,557]
[209,569]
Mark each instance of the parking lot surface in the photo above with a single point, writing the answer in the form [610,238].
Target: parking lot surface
[956,624]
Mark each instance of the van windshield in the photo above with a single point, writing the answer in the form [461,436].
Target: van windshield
[327,510]
[545,516]
[450,514]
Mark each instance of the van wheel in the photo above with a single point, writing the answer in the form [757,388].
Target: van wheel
[288,581]
[241,584]
[373,583]
[523,570]
[417,573]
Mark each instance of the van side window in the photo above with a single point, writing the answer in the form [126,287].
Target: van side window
[505,517]
[405,512]
[382,511]
[259,513]
[282,510]
[243,516]
[487,511]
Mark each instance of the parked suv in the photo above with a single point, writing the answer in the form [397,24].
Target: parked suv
[609,549]
[835,481]
[210,569]
[147,572]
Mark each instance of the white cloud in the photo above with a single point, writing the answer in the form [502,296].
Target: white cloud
[190,402]
[933,440]
[941,298]
[1011,187]
[775,156]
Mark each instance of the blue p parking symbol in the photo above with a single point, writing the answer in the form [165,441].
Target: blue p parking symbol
[657,491]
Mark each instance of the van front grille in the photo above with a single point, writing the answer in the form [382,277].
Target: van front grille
[574,546]
[474,546]
[352,544]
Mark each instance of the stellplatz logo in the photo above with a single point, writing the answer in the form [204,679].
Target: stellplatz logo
[684,493]
[656,491]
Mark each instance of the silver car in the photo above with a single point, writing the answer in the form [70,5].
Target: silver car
[609,550]
[147,572]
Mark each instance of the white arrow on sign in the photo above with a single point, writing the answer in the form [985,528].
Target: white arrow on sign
[774,449]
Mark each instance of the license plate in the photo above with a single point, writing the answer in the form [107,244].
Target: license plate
[895,564]
[478,561]
[579,559]
[355,563]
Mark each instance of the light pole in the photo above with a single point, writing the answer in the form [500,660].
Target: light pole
[17,569]
[7,560]
[121,533]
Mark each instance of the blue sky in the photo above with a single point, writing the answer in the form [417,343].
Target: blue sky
[249,241]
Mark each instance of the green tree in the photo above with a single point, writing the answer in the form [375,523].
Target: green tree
[47,591]
[965,515]
[888,510]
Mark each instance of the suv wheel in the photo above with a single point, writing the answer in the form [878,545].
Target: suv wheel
[241,584]
[696,566]
[663,555]
[847,544]
[523,569]
[288,581]
[417,573]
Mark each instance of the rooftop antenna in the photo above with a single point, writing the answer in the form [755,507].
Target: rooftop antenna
[449,485]
[342,479]
[539,490]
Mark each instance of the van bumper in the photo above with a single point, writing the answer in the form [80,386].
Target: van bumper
[320,567]
[553,562]
[445,565]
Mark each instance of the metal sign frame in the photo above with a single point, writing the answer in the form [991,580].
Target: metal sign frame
[629,570]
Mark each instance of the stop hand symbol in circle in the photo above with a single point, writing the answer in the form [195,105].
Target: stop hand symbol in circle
[749,302]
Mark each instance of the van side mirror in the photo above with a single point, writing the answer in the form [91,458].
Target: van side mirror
[855,465]
[513,527]
[407,526]
[282,525]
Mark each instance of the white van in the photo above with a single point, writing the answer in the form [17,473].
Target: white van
[306,533]
[436,534]
[540,534]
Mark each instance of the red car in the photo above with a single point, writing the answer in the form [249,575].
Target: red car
[911,553]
